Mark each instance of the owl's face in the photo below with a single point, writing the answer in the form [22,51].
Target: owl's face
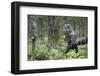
[67,28]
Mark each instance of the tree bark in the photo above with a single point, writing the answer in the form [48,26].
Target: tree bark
[54,30]
[33,26]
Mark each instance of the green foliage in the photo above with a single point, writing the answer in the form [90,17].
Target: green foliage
[42,53]
[82,53]
[55,54]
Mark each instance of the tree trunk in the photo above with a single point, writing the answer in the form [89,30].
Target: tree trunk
[33,25]
[54,30]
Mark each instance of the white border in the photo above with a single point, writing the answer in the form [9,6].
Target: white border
[26,65]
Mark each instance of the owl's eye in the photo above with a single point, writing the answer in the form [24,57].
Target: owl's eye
[68,27]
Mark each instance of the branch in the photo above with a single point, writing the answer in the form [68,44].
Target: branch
[82,41]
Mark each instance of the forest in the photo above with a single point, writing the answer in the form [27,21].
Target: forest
[46,37]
